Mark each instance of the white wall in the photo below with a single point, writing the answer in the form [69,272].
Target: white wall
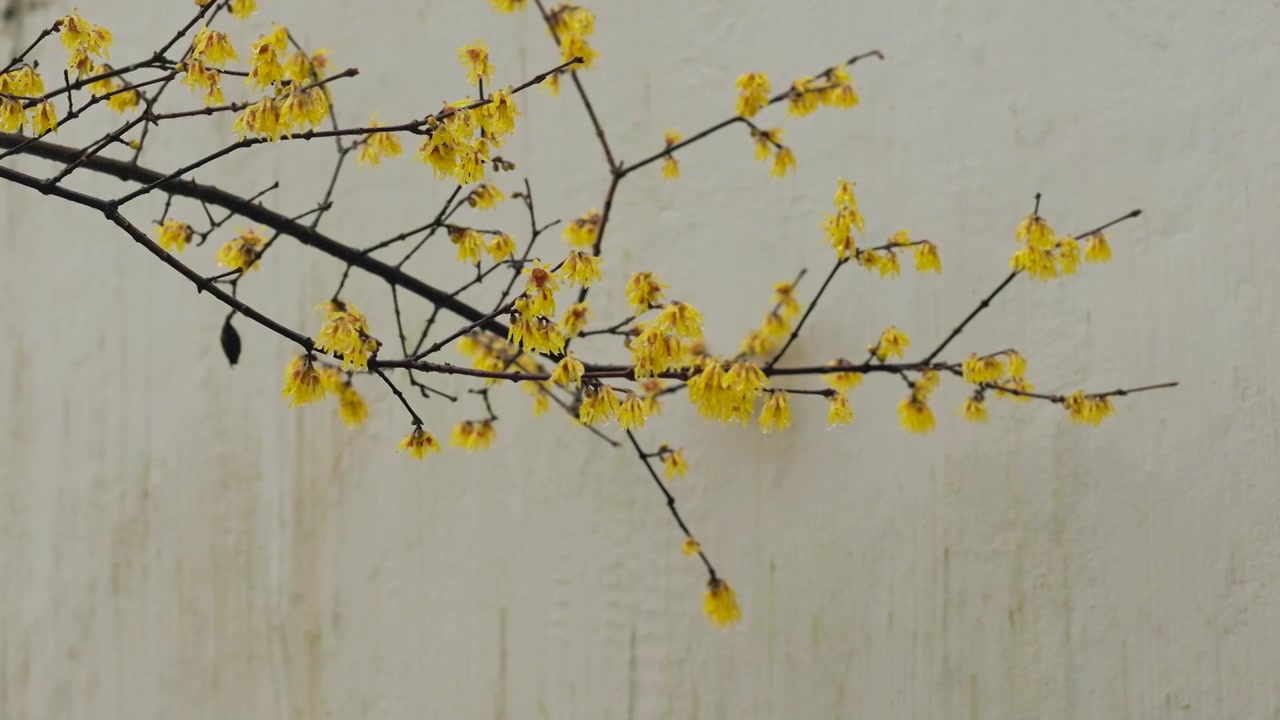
[176,542]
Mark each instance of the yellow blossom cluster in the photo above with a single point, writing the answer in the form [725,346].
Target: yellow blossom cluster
[242,252]
[839,227]
[833,88]
[777,322]
[485,197]
[726,391]
[302,382]
[673,463]
[581,232]
[83,40]
[1087,409]
[471,435]
[25,82]
[1044,255]
[174,235]
[893,342]
[242,9]
[419,443]
[913,411]
[670,166]
[345,335]
[720,603]
[461,136]
[508,6]
[377,146]
[305,383]
[571,25]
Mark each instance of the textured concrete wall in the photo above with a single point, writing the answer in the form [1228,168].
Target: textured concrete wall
[175,542]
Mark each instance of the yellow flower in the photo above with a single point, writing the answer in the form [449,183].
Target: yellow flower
[928,382]
[470,162]
[122,101]
[379,145]
[199,77]
[653,350]
[801,99]
[242,9]
[278,38]
[351,406]
[776,413]
[680,318]
[974,410]
[470,244]
[720,604]
[472,436]
[1037,262]
[44,120]
[498,118]
[1069,254]
[690,547]
[582,231]
[753,93]
[581,268]
[501,247]
[1017,365]
[568,371]
[261,119]
[927,259]
[419,443]
[1096,251]
[643,290]
[783,160]
[892,342]
[575,319]
[440,151]
[766,141]
[475,58]
[485,197]
[888,264]
[301,108]
[302,382]
[915,415]
[784,297]
[569,19]
[508,6]
[572,46]
[213,48]
[670,168]
[839,412]
[79,33]
[1087,409]
[839,92]
[631,412]
[844,196]
[264,63]
[174,235]
[540,291]
[24,81]
[674,464]
[979,370]
[345,333]
[1035,232]
[242,252]
[843,381]
[599,405]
